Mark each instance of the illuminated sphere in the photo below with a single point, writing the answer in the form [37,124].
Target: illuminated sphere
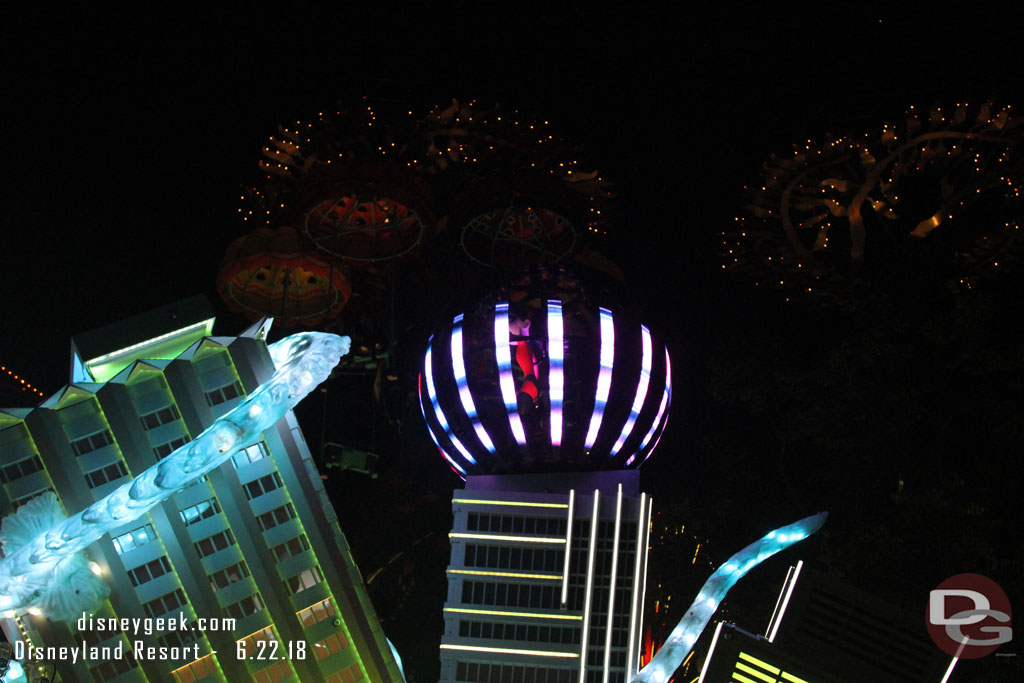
[538,377]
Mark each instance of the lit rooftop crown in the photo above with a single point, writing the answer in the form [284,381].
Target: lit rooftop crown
[539,378]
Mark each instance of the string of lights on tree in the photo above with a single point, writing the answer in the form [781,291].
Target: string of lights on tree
[935,197]
[362,188]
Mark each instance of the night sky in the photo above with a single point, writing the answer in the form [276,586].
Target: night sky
[126,146]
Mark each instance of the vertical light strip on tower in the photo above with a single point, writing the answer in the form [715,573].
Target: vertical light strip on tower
[666,399]
[432,393]
[647,548]
[568,547]
[634,631]
[556,356]
[604,377]
[591,551]
[790,583]
[503,354]
[641,390]
[711,651]
[611,589]
[459,368]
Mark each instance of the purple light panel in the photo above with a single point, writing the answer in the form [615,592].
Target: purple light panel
[503,354]
[604,377]
[556,381]
[641,390]
[459,368]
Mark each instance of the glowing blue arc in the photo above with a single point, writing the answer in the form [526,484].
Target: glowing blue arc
[666,400]
[444,453]
[679,643]
[28,572]
[604,377]
[428,372]
[641,390]
[462,383]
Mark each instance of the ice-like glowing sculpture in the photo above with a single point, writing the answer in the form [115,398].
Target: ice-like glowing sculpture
[686,632]
[43,564]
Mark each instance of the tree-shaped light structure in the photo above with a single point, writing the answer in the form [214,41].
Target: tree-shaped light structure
[520,193]
[342,178]
[935,198]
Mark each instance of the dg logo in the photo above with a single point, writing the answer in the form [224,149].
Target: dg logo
[968,616]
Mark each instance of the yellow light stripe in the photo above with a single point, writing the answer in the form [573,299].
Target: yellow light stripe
[741,678]
[555,577]
[499,613]
[510,651]
[521,539]
[754,672]
[761,663]
[791,677]
[511,503]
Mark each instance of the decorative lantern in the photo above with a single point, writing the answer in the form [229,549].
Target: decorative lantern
[364,212]
[277,273]
[517,220]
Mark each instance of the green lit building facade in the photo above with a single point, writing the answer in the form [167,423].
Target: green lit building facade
[256,541]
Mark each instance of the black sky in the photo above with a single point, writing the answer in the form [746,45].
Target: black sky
[125,144]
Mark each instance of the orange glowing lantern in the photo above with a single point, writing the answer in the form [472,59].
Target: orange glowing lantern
[364,212]
[277,273]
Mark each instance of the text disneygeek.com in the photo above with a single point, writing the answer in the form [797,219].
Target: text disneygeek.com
[130,627]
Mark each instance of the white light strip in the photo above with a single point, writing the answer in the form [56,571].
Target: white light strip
[634,641]
[949,671]
[510,651]
[647,548]
[668,380]
[584,635]
[611,591]
[423,411]
[568,547]
[785,601]
[438,412]
[459,369]
[641,390]
[499,613]
[604,377]
[518,539]
[184,330]
[666,399]
[778,600]
[503,355]
[556,380]
[711,651]
[510,503]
